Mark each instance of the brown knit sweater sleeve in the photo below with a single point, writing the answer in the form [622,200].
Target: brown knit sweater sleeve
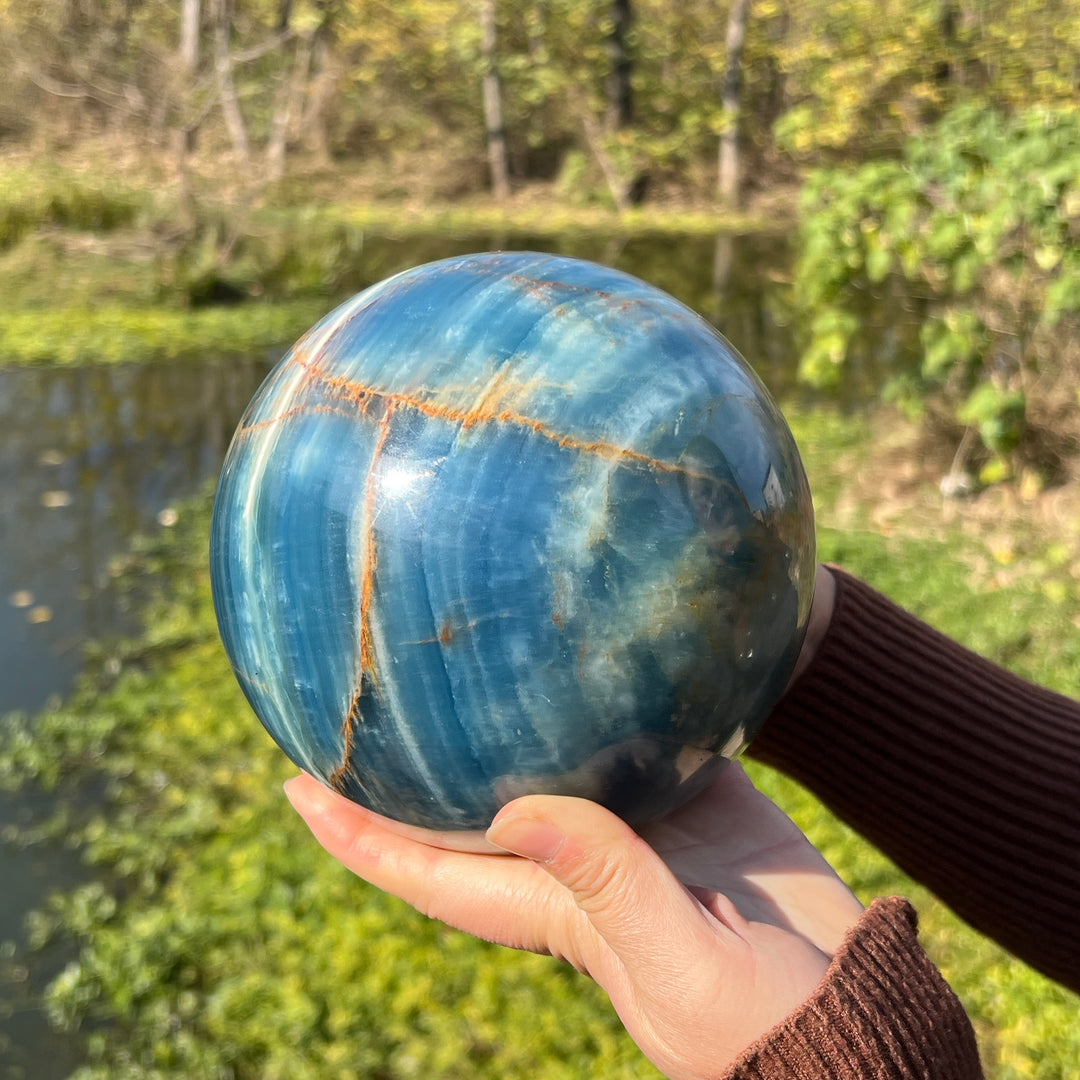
[883,1012]
[967,776]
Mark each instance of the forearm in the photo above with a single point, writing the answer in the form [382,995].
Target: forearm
[964,774]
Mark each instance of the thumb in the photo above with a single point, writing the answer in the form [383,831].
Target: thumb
[650,924]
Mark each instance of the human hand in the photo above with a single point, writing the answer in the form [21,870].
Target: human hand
[705,931]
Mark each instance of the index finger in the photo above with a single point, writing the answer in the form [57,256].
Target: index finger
[497,897]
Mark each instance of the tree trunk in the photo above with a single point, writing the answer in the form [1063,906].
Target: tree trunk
[288,105]
[618,184]
[493,120]
[946,70]
[313,122]
[230,105]
[620,93]
[189,37]
[728,173]
[184,136]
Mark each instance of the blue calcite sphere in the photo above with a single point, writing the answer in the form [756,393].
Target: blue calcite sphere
[512,523]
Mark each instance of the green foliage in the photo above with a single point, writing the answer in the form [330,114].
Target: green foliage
[272,257]
[370,81]
[127,294]
[221,941]
[123,334]
[864,76]
[998,416]
[50,195]
[859,73]
[977,218]
[83,241]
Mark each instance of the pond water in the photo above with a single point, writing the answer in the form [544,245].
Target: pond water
[92,456]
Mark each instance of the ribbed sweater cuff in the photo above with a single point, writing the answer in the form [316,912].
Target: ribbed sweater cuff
[882,1012]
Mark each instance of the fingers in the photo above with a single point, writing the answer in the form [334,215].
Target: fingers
[821,612]
[592,892]
[683,981]
[623,888]
[490,896]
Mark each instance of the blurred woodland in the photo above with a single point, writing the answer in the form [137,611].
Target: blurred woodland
[621,100]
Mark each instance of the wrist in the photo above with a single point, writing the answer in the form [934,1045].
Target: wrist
[821,612]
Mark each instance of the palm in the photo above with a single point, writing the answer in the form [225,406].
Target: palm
[732,840]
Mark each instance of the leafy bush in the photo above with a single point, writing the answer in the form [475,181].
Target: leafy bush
[979,219]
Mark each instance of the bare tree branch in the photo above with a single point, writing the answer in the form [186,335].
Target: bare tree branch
[255,52]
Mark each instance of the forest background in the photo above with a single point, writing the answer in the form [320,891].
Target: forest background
[205,176]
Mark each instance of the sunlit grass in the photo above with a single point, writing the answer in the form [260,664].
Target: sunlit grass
[546,217]
[122,334]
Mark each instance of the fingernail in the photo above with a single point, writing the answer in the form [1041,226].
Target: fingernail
[535,840]
[307,799]
[289,786]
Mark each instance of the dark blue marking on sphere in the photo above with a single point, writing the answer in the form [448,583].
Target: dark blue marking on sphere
[512,523]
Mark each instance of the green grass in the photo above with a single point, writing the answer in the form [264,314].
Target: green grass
[48,194]
[122,334]
[544,217]
[230,945]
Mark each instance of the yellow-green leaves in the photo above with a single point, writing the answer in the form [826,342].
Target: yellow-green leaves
[975,218]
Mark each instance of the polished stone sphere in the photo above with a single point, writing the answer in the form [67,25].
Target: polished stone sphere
[512,523]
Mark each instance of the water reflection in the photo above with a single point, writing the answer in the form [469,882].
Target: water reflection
[89,457]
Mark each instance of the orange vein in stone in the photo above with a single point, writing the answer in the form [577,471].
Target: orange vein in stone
[288,414]
[370,555]
[367,591]
[362,397]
